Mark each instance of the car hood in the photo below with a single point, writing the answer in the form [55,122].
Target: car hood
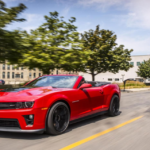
[26,92]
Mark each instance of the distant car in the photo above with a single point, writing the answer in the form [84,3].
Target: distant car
[49,103]
[2,82]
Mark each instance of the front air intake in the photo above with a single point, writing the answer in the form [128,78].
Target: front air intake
[9,123]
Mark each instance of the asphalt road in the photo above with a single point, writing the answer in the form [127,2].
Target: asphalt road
[132,136]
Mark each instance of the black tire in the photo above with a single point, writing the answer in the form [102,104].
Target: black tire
[114,106]
[58,119]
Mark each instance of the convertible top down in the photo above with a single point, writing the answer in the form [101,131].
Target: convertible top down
[49,103]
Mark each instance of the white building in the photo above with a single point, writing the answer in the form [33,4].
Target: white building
[12,75]
[121,75]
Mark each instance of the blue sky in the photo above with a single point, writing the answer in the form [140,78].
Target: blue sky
[128,19]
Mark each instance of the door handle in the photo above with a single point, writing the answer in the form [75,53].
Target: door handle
[101,91]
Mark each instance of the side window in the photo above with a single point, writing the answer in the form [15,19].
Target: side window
[81,82]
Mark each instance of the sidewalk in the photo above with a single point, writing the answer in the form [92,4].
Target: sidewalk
[135,89]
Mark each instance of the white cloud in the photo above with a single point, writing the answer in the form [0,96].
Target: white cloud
[139,45]
[65,11]
[137,10]
[88,23]
[32,22]
[135,14]
[141,11]
[29,28]
[16,0]
[32,17]
[100,3]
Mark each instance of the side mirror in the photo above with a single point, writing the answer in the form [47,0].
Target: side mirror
[85,85]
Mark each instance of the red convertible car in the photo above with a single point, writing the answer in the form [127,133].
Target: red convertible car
[49,103]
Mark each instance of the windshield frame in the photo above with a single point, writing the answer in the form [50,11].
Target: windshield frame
[77,77]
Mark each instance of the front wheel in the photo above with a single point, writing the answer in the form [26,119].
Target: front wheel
[114,106]
[58,119]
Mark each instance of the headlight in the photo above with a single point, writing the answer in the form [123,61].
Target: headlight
[20,105]
[29,104]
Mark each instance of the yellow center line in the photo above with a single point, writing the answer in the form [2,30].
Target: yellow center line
[99,134]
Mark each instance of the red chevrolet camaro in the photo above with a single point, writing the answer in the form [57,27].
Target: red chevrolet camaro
[49,103]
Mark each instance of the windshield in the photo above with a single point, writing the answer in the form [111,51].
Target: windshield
[54,81]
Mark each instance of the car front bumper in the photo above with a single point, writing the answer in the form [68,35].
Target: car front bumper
[8,129]
[6,116]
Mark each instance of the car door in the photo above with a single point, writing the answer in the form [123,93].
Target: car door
[96,95]
[80,103]
[85,103]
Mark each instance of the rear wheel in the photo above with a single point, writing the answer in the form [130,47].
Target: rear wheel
[114,106]
[58,119]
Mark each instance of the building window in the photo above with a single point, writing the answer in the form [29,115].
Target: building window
[34,69]
[3,75]
[138,63]
[17,68]
[39,74]
[132,63]
[116,79]
[30,75]
[13,75]
[109,79]
[3,66]
[22,68]
[57,72]
[8,67]
[18,75]
[34,75]
[13,67]
[22,75]
[8,75]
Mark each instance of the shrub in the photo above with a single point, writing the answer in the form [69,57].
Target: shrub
[21,84]
[132,84]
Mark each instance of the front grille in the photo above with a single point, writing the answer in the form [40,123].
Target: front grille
[7,106]
[9,123]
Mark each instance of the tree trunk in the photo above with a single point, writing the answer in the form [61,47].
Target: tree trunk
[93,77]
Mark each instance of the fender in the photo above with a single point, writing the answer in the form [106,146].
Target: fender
[113,92]
[52,100]
[110,90]
[57,97]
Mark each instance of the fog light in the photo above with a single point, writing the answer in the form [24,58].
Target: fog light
[31,117]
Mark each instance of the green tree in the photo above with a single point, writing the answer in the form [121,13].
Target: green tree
[55,44]
[144,69]
[10,41]
[106,56]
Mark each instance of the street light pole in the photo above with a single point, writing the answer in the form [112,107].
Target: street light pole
[123,80]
